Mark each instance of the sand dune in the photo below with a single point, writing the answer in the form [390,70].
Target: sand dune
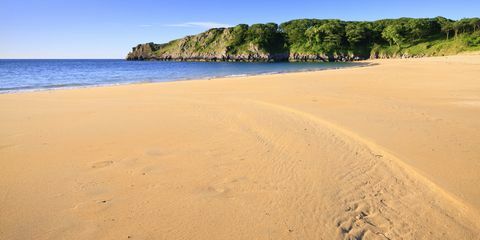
[387,151]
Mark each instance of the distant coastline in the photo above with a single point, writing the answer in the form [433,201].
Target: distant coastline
[314,40]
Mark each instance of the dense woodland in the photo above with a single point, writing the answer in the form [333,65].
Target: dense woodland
[382,38]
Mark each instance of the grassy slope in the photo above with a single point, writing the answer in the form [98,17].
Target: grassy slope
[434,47]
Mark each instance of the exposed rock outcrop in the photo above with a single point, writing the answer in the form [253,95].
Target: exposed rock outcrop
[298,57]
[143,51]
[149,51]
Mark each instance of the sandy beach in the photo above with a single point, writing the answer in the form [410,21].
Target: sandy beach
[386,151]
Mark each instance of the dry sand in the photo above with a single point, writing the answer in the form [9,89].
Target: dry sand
[388,151]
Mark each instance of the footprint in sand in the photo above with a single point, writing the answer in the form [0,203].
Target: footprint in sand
[211,191]
[153,153]
[102,164]
[218,190]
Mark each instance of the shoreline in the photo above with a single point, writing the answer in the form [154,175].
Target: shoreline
[79,86]
[367,62]
[386,149]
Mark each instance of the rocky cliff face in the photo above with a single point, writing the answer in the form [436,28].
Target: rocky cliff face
[151,51]
[212,45]
[143,51]
[299,57]
[228,44]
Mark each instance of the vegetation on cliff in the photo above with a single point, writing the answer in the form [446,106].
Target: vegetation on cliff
[321,40]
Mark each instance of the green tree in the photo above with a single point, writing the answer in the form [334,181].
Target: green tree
[356,33]
[418,27]
[266,36]
[447,28]
[328,37]
[457,27]
[394,34]
[446,25]
[238,34]
[475,23]
[295,32]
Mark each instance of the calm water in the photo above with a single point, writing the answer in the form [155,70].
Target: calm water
[20,75]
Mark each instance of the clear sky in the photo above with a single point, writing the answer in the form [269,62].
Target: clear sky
[109,28]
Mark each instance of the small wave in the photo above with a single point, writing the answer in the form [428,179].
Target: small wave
[36,87]
[238,75]
[52,87]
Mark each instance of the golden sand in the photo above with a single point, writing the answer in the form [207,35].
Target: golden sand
[388,151]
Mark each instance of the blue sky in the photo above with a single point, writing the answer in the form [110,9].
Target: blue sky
[108,28]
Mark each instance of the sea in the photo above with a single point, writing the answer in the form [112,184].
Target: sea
[34,75]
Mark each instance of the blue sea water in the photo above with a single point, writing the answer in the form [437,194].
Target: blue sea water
[22,75]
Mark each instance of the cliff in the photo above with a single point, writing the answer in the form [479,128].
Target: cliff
[320,40]
[218,44]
